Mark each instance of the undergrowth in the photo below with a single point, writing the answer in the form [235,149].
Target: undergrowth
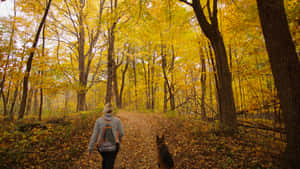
[51,143]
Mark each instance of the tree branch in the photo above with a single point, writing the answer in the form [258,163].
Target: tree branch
[186,2]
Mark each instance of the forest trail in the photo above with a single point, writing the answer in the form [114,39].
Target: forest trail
[138,147]
[193,144]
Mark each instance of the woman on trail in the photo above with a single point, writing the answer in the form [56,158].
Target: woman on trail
[108,132]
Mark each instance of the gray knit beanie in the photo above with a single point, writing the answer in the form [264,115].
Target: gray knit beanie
[107,108]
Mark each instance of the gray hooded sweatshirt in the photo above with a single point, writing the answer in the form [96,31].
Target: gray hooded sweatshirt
[99,125]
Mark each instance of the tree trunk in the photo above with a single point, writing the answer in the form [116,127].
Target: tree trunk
[203,84]
[211,31]
[109,68]
[146,85]
[217,93]
[115,85]
[35,102]
[135,90]
[11,112]
[10,49]
[110,55]
[67,96]
[149,82]
[81,93]
[286,71]
[29,104]
[4,102]
[228,115]
[41,104]
[164,65]
[169,85]
[29,63]
[153,83]
[41,76]
[165,98]
[123,82]
[81,101]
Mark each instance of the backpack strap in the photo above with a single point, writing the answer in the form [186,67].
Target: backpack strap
[107,121]
[117,136]
[99,142]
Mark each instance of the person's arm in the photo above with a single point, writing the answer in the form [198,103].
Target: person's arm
[121,130]
[94,137]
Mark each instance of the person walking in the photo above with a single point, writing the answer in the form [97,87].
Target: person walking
[108,132]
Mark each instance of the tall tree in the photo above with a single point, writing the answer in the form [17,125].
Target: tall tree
[210,27]
[41,75]
[286,71]
[110,52]
[29,63]
[81,99]
[10,49]
[86,35]
[203,83]
[123,80]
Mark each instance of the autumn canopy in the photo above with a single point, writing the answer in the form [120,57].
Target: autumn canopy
[222,74]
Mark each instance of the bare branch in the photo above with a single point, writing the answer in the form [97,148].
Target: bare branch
[214,14]
[96,72]
[186,2]
[71,18]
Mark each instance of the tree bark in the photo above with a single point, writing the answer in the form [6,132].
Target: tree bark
[29,63]
[169,85]
[123,82]
[217,93]
[109,68]
[228,113]
[11,112]
[163,64]
[110,56]
[41,102]
[146,84]
[4,101]
[153,83]
[81,101]
[135,82]
[286,72]
[35,102]
[81,93]
[115,85]
[41,76]
[203,84]
[165,98]
[29,102]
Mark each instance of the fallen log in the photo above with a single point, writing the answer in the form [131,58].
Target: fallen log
[260,126]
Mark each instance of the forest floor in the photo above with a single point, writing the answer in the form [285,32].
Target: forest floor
[138,149]
[194,144]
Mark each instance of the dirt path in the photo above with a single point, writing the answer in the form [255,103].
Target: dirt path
[192,147]
[138,149]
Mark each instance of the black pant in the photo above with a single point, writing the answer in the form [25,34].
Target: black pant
[108,158]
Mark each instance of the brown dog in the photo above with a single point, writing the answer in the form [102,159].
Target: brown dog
[165,160]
